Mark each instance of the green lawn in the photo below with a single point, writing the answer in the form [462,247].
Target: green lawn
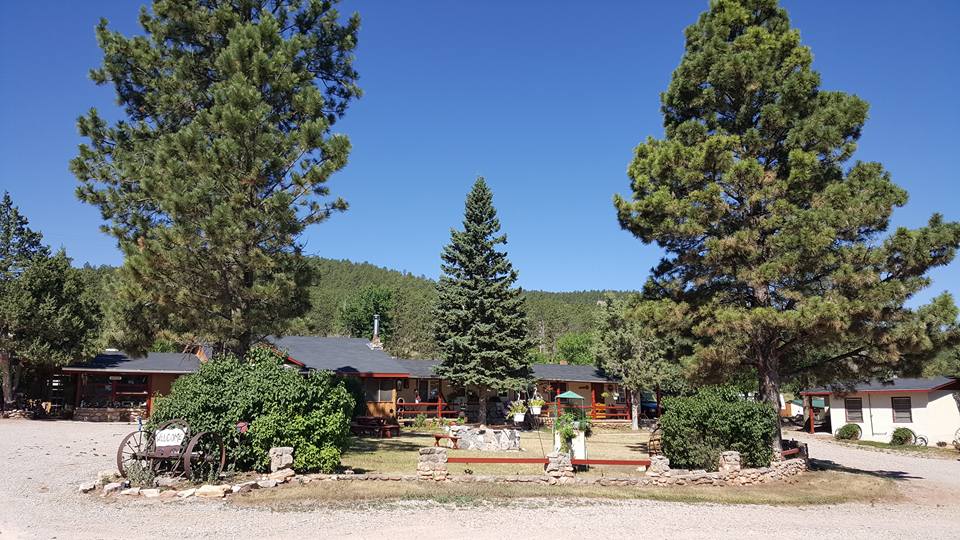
[399,454]
[947,452]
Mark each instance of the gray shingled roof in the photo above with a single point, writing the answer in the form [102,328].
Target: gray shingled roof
[423,369]
[904,384]
[340,354]
[155,362]
[569,372]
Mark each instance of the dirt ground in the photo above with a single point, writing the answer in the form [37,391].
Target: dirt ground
[44,462]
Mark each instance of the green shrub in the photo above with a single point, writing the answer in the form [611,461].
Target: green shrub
[901,436]
[420,421]
[309,412]
[849,432]
[697,428]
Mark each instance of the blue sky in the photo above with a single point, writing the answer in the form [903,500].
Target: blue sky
[544,99]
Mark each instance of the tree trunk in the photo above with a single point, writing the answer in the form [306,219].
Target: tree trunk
[9,388]
[635,410]
[481,406]
[769,392]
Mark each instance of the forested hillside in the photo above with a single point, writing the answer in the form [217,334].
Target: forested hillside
[346,294]
[346,291]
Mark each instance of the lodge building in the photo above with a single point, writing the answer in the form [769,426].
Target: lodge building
[115,386]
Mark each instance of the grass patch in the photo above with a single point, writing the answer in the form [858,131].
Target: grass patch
[947,452]
[399,454]
[813,488]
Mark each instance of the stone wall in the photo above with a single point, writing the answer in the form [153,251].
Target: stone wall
[93,414]
[485,439]
[432,465]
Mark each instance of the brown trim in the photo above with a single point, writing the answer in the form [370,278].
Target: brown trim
[846,410]
[375,375]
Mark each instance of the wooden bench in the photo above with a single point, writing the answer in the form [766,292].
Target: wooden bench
[437,437]
[371,425]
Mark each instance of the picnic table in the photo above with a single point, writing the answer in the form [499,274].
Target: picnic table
[374,425]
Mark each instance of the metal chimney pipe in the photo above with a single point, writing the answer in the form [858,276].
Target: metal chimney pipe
[376,326]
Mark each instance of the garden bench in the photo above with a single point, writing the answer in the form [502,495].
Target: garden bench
[437,437]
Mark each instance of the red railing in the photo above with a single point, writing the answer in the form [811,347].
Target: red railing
[513,460]
[597,411]
[437,409]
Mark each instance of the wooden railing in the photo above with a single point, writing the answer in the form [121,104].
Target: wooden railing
[597,411]
[436,409]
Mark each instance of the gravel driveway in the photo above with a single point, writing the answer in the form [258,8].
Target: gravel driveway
[44,462]
[928,480]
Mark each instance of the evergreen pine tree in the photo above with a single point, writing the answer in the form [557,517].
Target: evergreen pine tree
[480,318]
[776,256]
[48,312]
[221,162]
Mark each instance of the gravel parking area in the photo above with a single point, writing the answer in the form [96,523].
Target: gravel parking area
[44,462]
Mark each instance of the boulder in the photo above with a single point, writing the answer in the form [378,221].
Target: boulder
[281,457]
[245,487]
[659,464]
[267,483]
[87,487]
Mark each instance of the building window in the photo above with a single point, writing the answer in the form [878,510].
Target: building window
[375,389]
[854,408]
[902,411]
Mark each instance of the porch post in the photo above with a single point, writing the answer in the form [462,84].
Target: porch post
[810,403]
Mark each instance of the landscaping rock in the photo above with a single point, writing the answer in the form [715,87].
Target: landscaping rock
[112,487]
[208,490]
[282,475]
[244,487]
[134,491]
[166,481]
[659,464]
[169,494]
[87,487]
[107,477]
[186,493]
[281,457]
[150,493]
[267,483]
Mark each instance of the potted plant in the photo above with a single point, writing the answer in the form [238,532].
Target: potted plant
[536,405]
[518,410]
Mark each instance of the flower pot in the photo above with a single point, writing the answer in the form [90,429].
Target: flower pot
[535,410]
[518,417]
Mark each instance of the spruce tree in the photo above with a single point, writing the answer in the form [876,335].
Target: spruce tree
[480,318]
[775,254]
[221,162]
[19,244]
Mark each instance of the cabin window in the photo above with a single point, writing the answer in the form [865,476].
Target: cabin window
[854,408]
[902,411]
[375,389]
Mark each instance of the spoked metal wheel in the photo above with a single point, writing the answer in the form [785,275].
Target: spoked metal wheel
[131,452]
[205,457]
[171,466]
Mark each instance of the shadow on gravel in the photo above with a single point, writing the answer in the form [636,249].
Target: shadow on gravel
[827,465]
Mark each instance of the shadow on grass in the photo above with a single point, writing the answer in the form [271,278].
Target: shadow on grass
[828,465]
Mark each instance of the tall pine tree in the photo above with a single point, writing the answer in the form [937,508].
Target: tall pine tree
[480,318]
[221,162]
[776,256]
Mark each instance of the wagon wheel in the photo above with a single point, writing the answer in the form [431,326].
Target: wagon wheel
[132,450]
[205,456]
[921,441]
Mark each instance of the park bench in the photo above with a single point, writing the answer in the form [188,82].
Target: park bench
[437,437]
[375,426]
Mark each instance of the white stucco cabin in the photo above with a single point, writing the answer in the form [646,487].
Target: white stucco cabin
[929,407]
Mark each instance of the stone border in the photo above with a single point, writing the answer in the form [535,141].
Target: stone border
[432,467]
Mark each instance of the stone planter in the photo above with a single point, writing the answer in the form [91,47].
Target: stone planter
[486,439]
